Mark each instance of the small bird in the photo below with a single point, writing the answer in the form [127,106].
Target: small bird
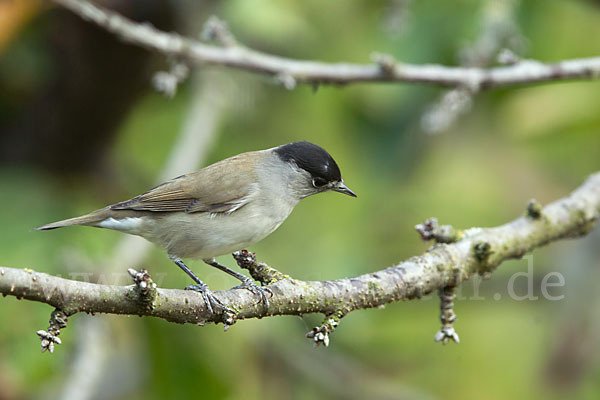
[222,208]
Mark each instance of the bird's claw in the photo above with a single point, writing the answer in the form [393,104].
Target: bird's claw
[248,284]
[209,299]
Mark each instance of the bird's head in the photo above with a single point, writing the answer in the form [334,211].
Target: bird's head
[316,170]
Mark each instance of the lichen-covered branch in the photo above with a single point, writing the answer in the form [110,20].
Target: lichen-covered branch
[479,250]
[290,71]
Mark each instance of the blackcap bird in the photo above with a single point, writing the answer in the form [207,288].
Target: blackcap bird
[222,208]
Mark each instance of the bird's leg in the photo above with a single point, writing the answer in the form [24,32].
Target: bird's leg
[247,283]
[201,287]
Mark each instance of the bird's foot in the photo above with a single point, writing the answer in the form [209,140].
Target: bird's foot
[209,298]
[248,284]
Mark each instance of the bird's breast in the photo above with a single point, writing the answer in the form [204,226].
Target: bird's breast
[206,235]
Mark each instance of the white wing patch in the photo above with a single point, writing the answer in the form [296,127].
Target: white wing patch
[242,201]
[234,206]
[239,204]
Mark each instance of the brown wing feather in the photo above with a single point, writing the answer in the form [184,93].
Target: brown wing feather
[196,192]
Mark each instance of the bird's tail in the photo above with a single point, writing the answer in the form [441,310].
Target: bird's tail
[90,219]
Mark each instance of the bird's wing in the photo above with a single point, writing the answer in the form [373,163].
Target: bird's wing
[222,187]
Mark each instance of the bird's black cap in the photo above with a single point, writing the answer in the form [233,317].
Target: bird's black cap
[311,158]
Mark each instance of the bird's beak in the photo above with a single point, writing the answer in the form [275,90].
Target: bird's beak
[340,187]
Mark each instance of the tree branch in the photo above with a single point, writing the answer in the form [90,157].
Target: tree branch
[479,250]
[289,71]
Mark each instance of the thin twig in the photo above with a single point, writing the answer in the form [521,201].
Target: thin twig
[290,71]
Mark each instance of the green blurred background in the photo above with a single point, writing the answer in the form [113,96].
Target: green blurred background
[81,127]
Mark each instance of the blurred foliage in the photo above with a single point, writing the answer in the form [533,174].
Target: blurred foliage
[515,144]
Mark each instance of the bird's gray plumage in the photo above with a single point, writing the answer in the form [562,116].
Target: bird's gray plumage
[224,207]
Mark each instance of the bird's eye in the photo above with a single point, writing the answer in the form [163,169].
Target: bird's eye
[319,182]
